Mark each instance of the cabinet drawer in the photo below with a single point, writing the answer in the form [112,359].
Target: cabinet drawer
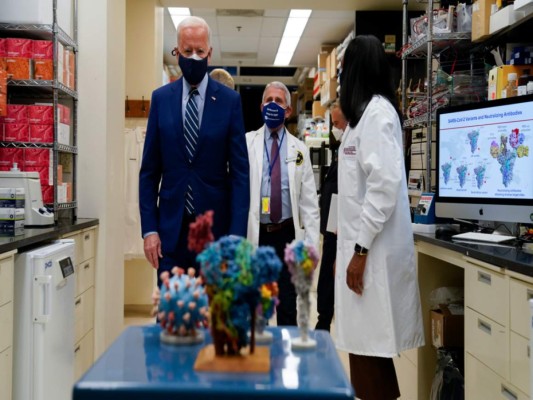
[83,314]
[519,366]
[520,293]
[488,341]
[78,249]
[482,383]
[6,280]
[88,242]
[83,354]
[6,326]
[487,292]
[6,368]
[84,276]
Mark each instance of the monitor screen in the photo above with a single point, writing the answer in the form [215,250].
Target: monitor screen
[485,169]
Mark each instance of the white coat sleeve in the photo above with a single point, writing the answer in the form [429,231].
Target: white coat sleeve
[308,202]
[380,156]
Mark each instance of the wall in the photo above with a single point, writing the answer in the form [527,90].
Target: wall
[101,86]
[144,73]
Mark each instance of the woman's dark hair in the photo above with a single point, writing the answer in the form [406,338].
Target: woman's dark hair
[365,72]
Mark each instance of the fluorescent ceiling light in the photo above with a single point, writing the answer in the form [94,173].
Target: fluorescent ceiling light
[178,14]
[291,36]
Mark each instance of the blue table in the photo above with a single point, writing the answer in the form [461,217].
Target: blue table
[138,366]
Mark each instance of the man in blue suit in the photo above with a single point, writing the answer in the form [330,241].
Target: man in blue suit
[195,157]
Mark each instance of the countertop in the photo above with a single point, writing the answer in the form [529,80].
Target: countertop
[137,366]
[33,236]
[502,255]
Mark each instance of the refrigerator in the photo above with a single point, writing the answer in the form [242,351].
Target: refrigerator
[43,337]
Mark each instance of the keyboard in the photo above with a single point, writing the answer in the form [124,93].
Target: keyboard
[483,237]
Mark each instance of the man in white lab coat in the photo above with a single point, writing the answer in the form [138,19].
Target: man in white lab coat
[283,197]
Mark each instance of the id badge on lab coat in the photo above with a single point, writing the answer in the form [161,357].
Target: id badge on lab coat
[265,205]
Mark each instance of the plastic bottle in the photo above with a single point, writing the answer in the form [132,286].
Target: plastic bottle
[511,89]
[530,87]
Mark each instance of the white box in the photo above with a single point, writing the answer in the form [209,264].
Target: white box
[63,134]
[505,17]
[524,5]
[38,12]
[62,193]
[11,214]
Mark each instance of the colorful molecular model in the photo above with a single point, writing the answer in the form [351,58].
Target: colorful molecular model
[181,307]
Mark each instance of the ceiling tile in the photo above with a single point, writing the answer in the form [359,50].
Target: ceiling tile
[249,26]
[273,27]
[277,13]
[239,43]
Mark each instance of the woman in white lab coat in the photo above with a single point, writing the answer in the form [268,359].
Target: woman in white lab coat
[377,300]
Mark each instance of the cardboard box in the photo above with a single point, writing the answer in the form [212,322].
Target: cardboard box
[41,115]
[12,198]
[43,59]
[17,132]
[481,19]
[447,330]
[504,18]
[333,64]
[9,156]
[318,110]
[16,114]
[41,133]
[498,79]
[19,52]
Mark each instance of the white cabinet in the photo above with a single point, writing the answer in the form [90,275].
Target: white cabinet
[7,263]
[84,302]
[497,327]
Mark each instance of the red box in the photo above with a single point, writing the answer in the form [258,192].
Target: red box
[16,114]
[41,115]
[48,193]
[19,52]
[44,174]
[59,174]
[3,105]
[8,156]
[71,67]
[64,114]
[42,133]
[37,157]
[3,54]
[43,52]
[16,132]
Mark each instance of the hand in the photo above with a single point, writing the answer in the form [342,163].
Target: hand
[152,249]
[355,273]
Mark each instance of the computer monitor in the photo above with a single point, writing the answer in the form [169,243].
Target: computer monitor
[484,156]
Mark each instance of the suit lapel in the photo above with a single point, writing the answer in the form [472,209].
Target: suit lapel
[177,116]
[291,166]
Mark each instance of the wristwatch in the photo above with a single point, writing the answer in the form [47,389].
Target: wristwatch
[360,251]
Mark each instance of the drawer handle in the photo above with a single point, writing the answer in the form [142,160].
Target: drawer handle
[484,278]
[86,266]
[485,327]
[78,302]
[87,237]
[77,349]
[508,394]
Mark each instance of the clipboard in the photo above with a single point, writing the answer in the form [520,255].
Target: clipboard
[332,215]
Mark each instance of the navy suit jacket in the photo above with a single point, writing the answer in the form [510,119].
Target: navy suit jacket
[218,174]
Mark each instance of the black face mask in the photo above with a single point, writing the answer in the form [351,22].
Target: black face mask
[193,68]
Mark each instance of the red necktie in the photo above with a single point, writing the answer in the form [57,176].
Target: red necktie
[275,181]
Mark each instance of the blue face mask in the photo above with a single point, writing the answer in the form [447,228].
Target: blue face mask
[193,68]
[273,115]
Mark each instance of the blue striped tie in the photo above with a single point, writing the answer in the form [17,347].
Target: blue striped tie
[191,127]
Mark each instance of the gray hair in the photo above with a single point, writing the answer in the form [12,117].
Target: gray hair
[334,105]
[191,22]
[281,86]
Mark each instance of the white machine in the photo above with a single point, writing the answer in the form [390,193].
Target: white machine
[43,337]
[35,212]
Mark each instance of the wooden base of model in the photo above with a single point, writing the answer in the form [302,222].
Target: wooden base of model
[258,362]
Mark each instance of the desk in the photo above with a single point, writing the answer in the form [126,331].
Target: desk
[138,366]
